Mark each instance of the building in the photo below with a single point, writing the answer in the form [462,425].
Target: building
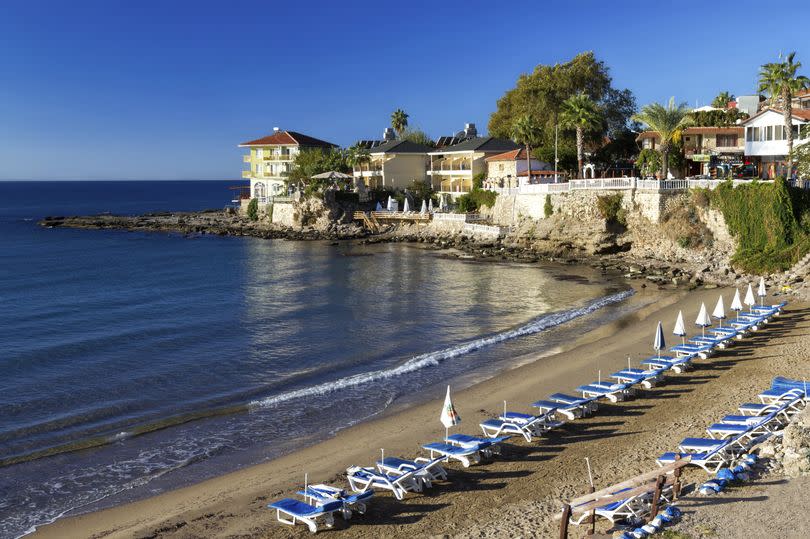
[452,168]
[504,169]
[395,164]
[766,142]
[271,158]
[802,100]
[712,150]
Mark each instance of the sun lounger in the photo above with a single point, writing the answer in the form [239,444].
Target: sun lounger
[292,512]
[632,507]
[646,378]
[677,364]
[424,470]
[691,350]
[542,422]
[711,458]
[587,405]
[550,407]
[715,341]
[779,394]
[488,447]
[467,455]
[525,425]
[322,494]
[725,332]
[365,479]
[612,392]
[781,382]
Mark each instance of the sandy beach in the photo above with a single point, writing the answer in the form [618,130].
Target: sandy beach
[513,496]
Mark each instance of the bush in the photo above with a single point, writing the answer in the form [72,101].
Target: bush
[253,209]
[701,197]
[548,209]
[474,200]
[610,208]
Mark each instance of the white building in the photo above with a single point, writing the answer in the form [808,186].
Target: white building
[766,141]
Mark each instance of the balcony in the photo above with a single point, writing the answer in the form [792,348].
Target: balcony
[450,166]
[247,174]
[279,157]
[246,158]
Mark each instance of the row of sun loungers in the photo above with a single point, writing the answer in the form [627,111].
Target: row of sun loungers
[726,438]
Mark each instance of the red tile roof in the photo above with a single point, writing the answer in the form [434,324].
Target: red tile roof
[290,138]
[512,155]
[539,173]
[800,114]
[803,114]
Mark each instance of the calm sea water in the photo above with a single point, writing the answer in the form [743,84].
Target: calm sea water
[136,362]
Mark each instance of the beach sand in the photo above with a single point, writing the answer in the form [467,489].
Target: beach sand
[514,496]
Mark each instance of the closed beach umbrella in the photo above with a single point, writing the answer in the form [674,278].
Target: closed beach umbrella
[430,205]
[680,329]
[659,342]
[749,297]
[390,205]
[703,319]
[424,207]
[736,304]
[449,417]
[761,292]
[406,207]
[719,310]
[441,202]
[379,206]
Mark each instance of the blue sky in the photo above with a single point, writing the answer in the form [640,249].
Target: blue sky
[167,89]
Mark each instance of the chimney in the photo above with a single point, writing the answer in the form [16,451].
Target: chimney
[470,131]
[275,130]
[388,134]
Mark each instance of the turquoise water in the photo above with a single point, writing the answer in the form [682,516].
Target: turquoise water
[137,362]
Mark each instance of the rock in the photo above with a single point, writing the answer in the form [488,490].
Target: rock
[796,446]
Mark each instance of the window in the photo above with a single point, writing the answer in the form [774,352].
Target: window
[795,132]
[726,141]
[779,133]
[258,190]
[500,167]
[755,134]
[769,132]
[749,131]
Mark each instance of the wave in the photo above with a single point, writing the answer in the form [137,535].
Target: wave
[432,359]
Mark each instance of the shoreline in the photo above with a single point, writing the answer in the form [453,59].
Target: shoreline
[245,492]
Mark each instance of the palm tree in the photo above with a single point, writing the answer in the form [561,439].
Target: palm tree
[667,121]
[357,155]
[780,81]
[722,100]
[527,132]
[583,114]
[399,121]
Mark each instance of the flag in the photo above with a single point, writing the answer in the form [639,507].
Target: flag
[449,415]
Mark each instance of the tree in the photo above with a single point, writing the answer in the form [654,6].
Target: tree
[314,161]
[722,100]
[780,81]
[581,113]
[357,156]
[525,131]
[417,136]
[801,154]
[667,121]
[399,121]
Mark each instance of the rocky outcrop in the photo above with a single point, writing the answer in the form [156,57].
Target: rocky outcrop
[790,454]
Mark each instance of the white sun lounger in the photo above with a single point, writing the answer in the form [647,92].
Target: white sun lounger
[570,412]
[488,447]
[320,494]
[778,394]
[677,364]
[646,378]
[703,351]
[424,470]
[365,479]
[612,392]
[711,458]
[525,425]
[290,511]
[587,405]
[467,455]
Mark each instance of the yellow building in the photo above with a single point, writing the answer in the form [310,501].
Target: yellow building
[395,164]
[452,168]
[271,159]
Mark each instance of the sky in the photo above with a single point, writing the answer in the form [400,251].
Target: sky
[167,89]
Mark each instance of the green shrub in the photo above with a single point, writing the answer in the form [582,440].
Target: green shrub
[475,199]
[769,222]
[548,209]
[610,208]
[253,209]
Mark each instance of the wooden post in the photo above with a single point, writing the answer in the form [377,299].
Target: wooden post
[676,488]
[593,516]
[566,516]
[659,482]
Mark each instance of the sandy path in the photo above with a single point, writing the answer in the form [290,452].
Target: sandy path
[519,492]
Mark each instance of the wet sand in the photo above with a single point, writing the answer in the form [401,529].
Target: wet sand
[513,496]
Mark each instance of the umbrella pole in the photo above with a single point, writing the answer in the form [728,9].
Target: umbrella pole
[446,433]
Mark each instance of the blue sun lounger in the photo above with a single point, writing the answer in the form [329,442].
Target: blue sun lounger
[726,332]
[525,425]
[320,494]
[424,470]
[679,364]
[780,382]
[646,378]
[612,392]
[550,407]
[587,405]
[713,340]
[488,447]
[779,394]
[711,459]
[467,455]
[691,350]
[289,511]
[365,479]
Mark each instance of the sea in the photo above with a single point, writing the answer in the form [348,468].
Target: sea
[136,362]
